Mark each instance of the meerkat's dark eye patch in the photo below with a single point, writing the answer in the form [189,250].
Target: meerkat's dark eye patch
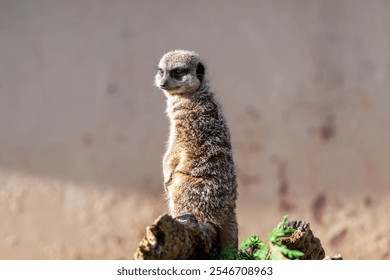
[179,72]
[200,71]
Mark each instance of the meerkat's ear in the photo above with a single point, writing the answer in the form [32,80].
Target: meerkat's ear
[200,71]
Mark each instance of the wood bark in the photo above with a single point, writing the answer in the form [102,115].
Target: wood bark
[186,238]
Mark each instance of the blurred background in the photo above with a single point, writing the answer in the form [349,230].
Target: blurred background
[305,90]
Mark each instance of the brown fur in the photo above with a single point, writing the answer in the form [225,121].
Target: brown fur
[199,174]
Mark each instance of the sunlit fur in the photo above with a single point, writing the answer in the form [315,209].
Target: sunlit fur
[198,167]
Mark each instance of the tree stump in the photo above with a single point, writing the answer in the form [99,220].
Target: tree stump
[178,238]
[185,238]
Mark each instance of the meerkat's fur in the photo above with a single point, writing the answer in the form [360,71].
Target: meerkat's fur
[198,167]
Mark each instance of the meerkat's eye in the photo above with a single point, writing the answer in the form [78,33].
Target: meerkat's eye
[178,72]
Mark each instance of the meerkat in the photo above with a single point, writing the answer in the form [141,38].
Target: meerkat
[198,168]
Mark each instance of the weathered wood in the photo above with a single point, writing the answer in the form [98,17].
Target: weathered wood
[185,238]
[302,239]
[178,238]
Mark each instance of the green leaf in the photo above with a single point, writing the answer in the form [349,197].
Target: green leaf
[252,241]
[291,254]
[261,254]
[253,248]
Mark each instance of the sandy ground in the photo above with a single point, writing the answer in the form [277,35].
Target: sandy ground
[44,218]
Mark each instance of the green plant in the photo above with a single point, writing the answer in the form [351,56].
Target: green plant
[253,248]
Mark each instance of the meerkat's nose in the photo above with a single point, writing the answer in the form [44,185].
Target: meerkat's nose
[163,84]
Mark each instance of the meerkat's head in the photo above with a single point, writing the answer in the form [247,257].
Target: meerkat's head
[180,73]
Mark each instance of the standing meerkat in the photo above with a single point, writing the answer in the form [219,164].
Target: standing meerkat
[198,167]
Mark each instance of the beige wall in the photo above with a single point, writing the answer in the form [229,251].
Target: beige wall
[77,98]
[304,85]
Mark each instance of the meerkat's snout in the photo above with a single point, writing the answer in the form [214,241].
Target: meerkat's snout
[164,84]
